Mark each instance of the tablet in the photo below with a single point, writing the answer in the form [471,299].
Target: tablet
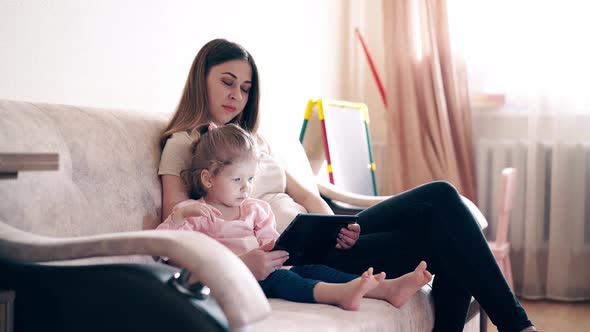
[310,237]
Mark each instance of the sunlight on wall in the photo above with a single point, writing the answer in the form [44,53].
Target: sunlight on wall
[136,55]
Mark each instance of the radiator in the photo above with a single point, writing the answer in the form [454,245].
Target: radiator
[564,187]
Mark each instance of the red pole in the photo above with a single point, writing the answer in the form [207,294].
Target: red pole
[372,65]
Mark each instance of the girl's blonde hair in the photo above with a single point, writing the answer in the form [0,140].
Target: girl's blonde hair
[193,107]
[215,149]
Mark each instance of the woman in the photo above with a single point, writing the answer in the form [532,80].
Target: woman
[428,223]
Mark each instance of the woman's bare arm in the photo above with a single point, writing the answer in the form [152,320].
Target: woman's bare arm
[309,199]
[173,192]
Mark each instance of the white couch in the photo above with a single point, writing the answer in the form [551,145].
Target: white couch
[106,194]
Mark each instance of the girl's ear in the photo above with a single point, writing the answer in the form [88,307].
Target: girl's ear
[206,178]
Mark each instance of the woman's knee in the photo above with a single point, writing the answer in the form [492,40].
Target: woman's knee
[443,190]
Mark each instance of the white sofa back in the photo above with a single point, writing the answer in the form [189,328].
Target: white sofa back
[107,179]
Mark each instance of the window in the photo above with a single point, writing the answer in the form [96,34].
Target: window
[515,49]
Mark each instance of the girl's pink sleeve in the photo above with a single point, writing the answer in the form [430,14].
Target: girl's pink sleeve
[265,224]
[168,224]
[190,224]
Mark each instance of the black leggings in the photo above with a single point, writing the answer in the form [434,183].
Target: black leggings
[431,223]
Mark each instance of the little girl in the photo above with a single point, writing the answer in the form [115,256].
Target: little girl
[224,164]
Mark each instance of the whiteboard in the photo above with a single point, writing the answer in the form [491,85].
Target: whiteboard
[341,128]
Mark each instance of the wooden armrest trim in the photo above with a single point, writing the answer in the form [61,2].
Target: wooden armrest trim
[231,283]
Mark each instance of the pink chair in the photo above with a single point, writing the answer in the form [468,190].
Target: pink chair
[501,247]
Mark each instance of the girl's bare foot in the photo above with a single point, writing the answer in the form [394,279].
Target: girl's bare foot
[348,295]
[356,289]
[398,291]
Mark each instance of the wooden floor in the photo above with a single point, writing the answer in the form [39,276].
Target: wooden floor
[556,316]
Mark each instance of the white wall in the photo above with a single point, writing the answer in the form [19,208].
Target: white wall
[135,54]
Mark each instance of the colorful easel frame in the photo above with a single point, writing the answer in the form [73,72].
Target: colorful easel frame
[320,105]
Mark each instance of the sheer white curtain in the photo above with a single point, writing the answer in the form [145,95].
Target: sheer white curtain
[536,53]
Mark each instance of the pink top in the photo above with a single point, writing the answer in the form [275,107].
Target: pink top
[254,227]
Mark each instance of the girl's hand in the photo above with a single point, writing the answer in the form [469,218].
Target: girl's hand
[348,236]
[262,261]
[195,209]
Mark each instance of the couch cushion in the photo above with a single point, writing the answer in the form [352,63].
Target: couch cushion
[374,315]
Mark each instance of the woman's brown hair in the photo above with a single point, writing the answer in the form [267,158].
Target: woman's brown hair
[193,107]
[215,149]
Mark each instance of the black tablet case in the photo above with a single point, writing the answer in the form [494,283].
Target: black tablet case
[310,237]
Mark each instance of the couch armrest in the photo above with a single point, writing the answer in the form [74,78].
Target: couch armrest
[231,283]
[334,193]
[357,201]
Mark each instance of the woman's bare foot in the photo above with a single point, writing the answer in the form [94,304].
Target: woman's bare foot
[399,290]
[348,295]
